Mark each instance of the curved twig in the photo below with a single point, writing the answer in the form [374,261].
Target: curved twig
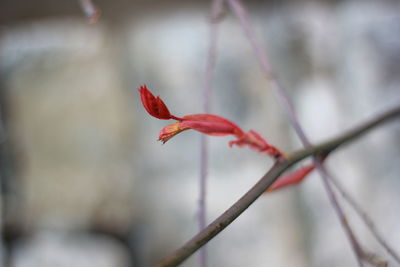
[279,167]
[240,11]
[280,91]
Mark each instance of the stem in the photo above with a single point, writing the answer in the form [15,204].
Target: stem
[269,178]
[216,10]
[176,118]
[203,195]
[367,220]
[280,91]
[216,7]
[339,211]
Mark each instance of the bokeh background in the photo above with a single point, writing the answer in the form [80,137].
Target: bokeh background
[84,182]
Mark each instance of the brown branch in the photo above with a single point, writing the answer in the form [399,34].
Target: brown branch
[280,91]
[259,188]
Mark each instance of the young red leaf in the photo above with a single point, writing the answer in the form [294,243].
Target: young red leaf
[291,178]
[205,123]
[154,105]
[211,124]
[170,131]
[255,141]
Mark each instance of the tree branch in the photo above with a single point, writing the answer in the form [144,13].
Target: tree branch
[240,11]
[367,220]
[259,188]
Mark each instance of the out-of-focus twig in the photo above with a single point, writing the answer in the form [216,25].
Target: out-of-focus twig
[367,220]
[267,180]
[216,8]
[358,250]
[91,11]
[279,90]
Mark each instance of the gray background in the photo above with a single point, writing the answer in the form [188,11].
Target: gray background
[84,182]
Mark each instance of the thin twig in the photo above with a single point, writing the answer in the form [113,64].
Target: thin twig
[358,250]
[216,10]
[202,216]
[279,90]
[216,7]
[269,178]
[367,220]
[367,256]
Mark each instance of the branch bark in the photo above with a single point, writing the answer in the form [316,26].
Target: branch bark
[259,188]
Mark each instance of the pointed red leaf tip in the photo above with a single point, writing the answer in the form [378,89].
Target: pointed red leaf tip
[291,178]
[154,105]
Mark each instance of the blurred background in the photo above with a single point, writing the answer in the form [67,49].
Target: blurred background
[85,183]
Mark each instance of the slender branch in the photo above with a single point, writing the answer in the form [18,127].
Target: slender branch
[265,66]
[372,258]
[202,209]
[280,91]
[216,10]
[358,250]
[216,7]
[279,167]
[367,220]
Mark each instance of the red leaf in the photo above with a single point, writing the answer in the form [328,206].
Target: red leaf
[255,141]
[154,105]
[291,178]
[170,131]
[205,123]
[211,124]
